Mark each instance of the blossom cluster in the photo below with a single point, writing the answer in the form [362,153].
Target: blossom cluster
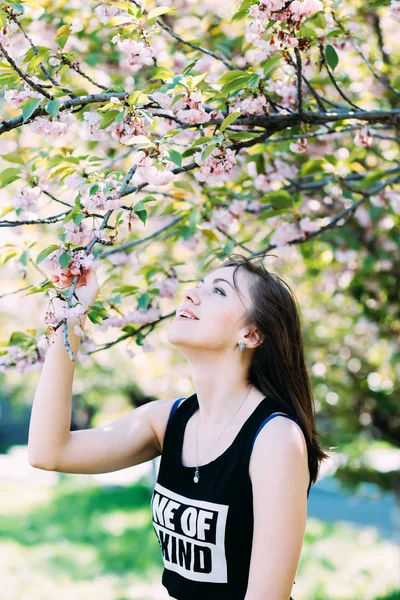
[59,275]
[394,10]
[216,166]
[147,171]
[100,195]
[277,10]
[136,316]
[133,124]
[17,97]
[27,198]
[136,52]
[188,108]
[53,128]
[251,106]
[279,171]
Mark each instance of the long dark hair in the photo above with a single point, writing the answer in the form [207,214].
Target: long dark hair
[278,366]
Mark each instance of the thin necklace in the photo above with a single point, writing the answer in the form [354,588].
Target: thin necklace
[196,476]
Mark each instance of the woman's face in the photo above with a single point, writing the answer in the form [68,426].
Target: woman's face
[220,311]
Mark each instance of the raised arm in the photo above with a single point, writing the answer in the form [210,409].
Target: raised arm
[132,439]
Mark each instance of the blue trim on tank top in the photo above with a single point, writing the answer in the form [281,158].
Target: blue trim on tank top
[174,407]
[277,414]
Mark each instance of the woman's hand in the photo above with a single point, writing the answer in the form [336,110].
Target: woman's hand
[87,286]
[86,290]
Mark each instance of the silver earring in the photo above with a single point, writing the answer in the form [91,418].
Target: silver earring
[242,346]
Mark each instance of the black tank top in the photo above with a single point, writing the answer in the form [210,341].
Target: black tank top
[205,529]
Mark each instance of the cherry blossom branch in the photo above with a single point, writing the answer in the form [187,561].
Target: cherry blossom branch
[95,240]
[346,212]
[299,90]
[282,121]
[45,220]
[331,77]
[32,84]
[318,98]
[190,44]
[35,50]
[152,324]
[140,241]
[75,67]
[378,31]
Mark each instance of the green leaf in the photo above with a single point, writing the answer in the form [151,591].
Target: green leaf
[29,106]
[13,157]
[144,301]
[40,289]
[65,259]
[23,259]
[312,166]
[8,176]
[142,214]
[62,40]
[19,337]
[108,118]
[176,157]
[271,64]
[279,199]
[331,57]
[52,108]
[160,10]
[229,119]
[207,151]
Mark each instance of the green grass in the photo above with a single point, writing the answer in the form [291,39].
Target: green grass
[78,540]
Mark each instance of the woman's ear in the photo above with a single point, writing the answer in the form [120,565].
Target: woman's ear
[254,338]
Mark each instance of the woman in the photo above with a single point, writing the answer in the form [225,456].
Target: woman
[237,457]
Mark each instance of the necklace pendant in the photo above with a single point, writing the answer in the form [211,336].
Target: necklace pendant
[196,475]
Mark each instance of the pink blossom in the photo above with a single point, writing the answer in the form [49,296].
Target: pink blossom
[17,97]
[136,316]
[394,199]
[137,53]
[146,172]
[90,126]
[105,13]
[284,233]
[192,110]
[265,9]
[309,226]
[216,166]
[394,10]
[4,35]
[131,126]
[164,100]
[251,106]
[120,258]
[101,198]
[55,128]
[302,10]
[27,198]
[363,137]
[237,207]
[77,234]
[168,287]
[300,146]
[190,243]
[74,180]
[221,218]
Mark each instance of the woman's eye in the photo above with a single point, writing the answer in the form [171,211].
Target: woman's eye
[223,293]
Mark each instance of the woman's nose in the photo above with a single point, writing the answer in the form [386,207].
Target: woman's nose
[191,293]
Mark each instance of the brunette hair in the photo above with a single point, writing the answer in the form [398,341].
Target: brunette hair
[278,366]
